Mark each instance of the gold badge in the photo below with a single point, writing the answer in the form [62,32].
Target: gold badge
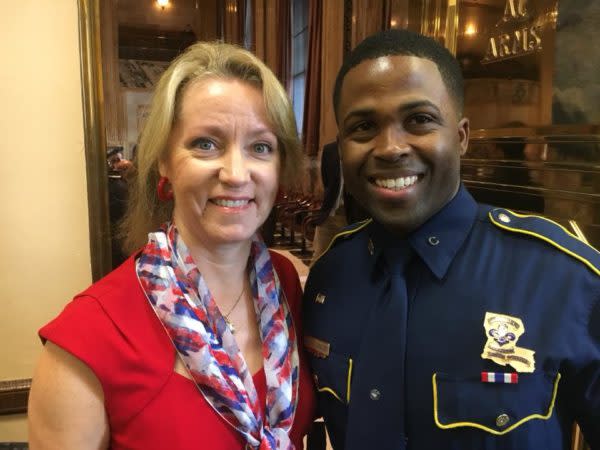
[316,347]
[502,334]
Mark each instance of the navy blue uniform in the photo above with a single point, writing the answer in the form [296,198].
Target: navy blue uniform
[396,372]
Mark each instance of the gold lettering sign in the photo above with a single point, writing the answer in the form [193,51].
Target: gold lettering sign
[515,9]
[519,42]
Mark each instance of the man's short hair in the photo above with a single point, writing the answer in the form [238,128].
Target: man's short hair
[397,42]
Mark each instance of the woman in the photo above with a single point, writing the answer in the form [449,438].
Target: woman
[192,342]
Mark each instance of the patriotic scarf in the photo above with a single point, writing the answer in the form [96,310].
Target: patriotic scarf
[181,299]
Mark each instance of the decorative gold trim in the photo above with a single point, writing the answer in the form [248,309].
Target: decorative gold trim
[94,134]
[546,239]
[14,395]
[451,31]
[330,391]
[536,190]
[349,380]
[562,133]
[359,226]
[578,231]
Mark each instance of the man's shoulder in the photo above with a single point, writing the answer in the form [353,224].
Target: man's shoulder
[343,242]
[543,234]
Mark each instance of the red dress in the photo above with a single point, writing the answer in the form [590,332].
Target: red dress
[112,328]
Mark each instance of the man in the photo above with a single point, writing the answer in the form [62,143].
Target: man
[441,323]
[338,208]
[117,198]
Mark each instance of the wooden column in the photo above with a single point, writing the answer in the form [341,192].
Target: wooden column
[332,53]
[114,113]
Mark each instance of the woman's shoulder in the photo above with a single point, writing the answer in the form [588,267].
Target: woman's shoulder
[112,328]
[116,304]
[121,279]
[287,273]
[281,263]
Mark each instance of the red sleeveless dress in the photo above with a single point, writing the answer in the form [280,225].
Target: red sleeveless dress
[112,328]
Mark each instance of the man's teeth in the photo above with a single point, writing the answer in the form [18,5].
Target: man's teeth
[231,203]
[396,183]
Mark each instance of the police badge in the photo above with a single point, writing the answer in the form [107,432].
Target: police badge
[502,334]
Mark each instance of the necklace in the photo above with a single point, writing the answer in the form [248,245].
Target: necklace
[226,316]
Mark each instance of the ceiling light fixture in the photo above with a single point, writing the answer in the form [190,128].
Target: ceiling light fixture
[162,3]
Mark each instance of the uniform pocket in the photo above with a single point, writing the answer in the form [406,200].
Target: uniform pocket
[497,408]
[333,375]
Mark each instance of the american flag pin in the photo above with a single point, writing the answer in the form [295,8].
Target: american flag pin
[499,377]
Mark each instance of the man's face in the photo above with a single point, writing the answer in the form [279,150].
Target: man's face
[401,138]
[114,159]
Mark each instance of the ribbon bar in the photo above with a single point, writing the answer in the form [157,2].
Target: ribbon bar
[498,377]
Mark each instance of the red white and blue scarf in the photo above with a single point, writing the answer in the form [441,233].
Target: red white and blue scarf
[181,299]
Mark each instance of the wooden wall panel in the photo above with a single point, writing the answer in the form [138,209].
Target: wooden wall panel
[177,15]
[332,56]
[367,18]
[205,21]
[258,28]
[271,34]
[180,15]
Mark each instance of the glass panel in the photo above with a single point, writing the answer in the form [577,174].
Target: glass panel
[299,16]
[299,45]
[560,180]
[576,90]
[506,50]
[298,99]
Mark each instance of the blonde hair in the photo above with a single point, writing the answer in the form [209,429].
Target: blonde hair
[145,212]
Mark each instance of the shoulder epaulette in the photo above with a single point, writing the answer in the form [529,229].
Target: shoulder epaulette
[550,232]
[345,233]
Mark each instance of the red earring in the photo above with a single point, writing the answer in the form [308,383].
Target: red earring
[163,194]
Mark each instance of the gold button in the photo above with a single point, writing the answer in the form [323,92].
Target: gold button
[371,247]
[320,298]
[504,218]
[502,420]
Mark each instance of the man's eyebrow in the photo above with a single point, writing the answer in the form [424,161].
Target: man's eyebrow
[419,104]
[366,112]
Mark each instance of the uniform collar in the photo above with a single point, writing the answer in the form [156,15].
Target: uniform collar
[438,240]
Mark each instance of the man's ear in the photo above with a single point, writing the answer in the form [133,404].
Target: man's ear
[463,135]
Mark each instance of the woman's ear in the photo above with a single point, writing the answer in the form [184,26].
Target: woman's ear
[162,168]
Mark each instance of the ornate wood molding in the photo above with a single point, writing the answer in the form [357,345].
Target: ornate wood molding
[95,138]
[14,395]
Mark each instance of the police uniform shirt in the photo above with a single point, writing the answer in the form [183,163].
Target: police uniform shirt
[494,345]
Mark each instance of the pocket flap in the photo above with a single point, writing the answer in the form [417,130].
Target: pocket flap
[333,375]
[497,408]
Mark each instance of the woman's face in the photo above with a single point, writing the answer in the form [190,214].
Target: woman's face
[223,162]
